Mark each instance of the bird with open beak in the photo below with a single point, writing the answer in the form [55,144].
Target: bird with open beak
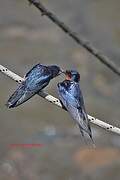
[71,97]
[35,80]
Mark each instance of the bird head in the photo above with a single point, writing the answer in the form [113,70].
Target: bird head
[56,71]
[72,75]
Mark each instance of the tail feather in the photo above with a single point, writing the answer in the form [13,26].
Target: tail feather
[19,96]
[90,135]
[80,117]
[85,124]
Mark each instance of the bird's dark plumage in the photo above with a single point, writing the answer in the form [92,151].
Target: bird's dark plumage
[35,80]
[71,96]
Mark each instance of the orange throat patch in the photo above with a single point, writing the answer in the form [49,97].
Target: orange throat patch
[68,77]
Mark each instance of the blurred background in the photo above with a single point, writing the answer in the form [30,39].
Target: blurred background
[26,39]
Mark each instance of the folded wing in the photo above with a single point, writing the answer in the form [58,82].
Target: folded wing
[72,99]
[35,80]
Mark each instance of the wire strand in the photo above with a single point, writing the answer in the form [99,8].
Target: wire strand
[79,40]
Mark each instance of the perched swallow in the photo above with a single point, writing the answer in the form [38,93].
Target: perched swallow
[35,80]
[72,99]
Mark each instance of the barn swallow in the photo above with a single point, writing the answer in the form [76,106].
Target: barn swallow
[72,99]
[35,80]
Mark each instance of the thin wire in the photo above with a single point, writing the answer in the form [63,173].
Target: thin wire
[79,40]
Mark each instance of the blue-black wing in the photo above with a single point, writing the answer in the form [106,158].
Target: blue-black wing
[71,97]
[35,80]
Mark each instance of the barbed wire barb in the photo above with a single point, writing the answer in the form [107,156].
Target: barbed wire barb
[57,102]
[79,40]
